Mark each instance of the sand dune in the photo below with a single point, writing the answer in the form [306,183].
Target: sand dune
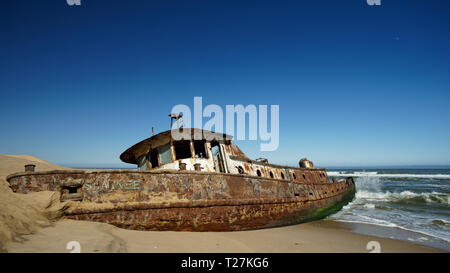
[22,214]
[15,163]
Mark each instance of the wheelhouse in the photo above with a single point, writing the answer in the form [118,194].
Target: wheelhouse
[207,151]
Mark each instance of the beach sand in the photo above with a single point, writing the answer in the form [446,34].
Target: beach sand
[22,214]
[319,236]
[28,224]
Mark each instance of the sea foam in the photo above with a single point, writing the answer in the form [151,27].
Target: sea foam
[389,175]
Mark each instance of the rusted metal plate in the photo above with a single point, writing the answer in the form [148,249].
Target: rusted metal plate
[187,200]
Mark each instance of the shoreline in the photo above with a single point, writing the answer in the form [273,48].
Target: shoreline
[322,236]
[395,232]
[388,232]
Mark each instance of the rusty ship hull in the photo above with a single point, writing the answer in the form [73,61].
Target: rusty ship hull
[191,200]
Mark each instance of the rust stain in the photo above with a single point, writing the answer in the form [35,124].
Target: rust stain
[200,189]
[184,200]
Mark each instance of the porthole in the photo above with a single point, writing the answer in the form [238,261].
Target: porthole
[282,175]
[240,170]
[293,175]
[258,172]
[271,174]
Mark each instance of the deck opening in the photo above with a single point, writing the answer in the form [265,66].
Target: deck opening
[182,149]
[70,189]
[199,148]
[217,157]
[153,158]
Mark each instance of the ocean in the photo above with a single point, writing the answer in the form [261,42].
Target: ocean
[412,200]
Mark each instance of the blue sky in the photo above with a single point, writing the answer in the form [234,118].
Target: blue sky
[357,85]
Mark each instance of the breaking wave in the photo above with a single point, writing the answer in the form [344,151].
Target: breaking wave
[376,222]
[441,222]
[389,175]
[404,197]
[415,200]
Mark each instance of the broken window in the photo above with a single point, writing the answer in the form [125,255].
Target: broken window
[153,158]
[215,148]
[199,148]
[165,154]
[287,175]
[218,162]
[258,172]
[141,163]
[182,149]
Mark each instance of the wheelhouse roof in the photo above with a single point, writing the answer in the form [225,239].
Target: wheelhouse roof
[163,138]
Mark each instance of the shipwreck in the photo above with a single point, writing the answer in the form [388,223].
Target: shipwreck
[203,182]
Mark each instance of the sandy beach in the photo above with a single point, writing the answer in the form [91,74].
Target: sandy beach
[30,223]
[321,236]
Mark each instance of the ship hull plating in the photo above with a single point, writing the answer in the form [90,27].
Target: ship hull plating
[187,200]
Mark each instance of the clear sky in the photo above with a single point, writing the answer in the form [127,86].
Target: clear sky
[357,85]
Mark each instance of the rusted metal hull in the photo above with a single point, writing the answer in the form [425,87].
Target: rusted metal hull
[188,201]
[215,216]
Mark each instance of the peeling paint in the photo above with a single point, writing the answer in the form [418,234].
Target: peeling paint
[186,200]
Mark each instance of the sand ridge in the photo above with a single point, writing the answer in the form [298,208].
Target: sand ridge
[22,214]
[15,163]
